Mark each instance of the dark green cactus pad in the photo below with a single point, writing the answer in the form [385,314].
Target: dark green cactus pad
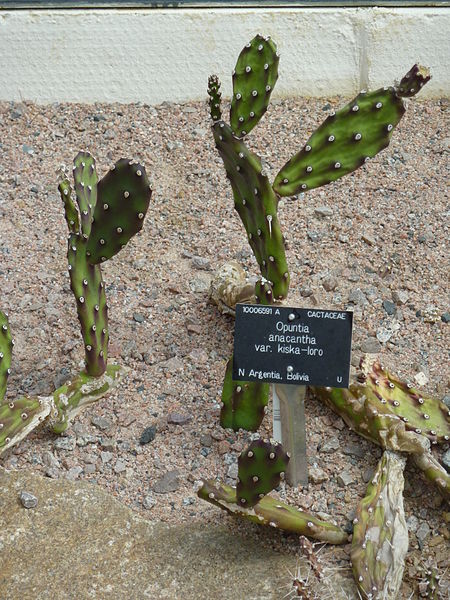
[70,210]
[413,81]
[85,178]
[420,413]
[244,403]
[6,346]
[260,468]
[254,78]
[123,196]
[271,512]
[343,143]
[256,204]
[215,96]
[263,292]
[19,417]
[87,285]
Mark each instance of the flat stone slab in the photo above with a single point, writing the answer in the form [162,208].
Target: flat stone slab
[81,543]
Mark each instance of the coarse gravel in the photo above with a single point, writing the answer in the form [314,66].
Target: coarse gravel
[375,241]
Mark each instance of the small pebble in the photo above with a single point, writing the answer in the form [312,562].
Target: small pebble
[169,482]
[179,418]
[148,435]
[138,317]
[330,445]
[370,346]
[28,500]
[389,307]
[101,423]
[149,501]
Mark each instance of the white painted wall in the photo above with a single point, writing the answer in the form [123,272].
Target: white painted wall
[152,55]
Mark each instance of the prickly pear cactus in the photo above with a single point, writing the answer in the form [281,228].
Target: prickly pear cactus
[244,403]
[254,78]
[17,417]
[108,213]
[389,412]
[343,143]
[260,468]
[380,534]
[6,345]
[272,512]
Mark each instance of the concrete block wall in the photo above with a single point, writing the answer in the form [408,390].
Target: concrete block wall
[152,55]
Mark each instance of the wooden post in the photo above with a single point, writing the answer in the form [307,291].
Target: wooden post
[289,408]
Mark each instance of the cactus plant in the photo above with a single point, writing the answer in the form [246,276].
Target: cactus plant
[259,470]
[391,413]
[17,417]
[105,216]
[339,146]
[110,212]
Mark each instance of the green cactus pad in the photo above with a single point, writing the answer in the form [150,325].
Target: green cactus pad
[343,142]
[85,177]
[263,292]
[215,96]
[244,402]
[260,468]
[87,285]
[123,196]
[254,78]
[256,204]
[420,413]
[75,395]
[6,346]
[380,534]
[413,81]
[270,511]
[70,210]
[19,417]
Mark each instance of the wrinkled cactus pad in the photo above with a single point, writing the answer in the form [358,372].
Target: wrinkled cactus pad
[123,196]
[380,534]
[256,204]
[260,468]
[420,413]
[6,346]
[413,81]
[244,402]
[254,78]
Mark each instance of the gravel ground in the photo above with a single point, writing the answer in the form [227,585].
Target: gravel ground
[375,241]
